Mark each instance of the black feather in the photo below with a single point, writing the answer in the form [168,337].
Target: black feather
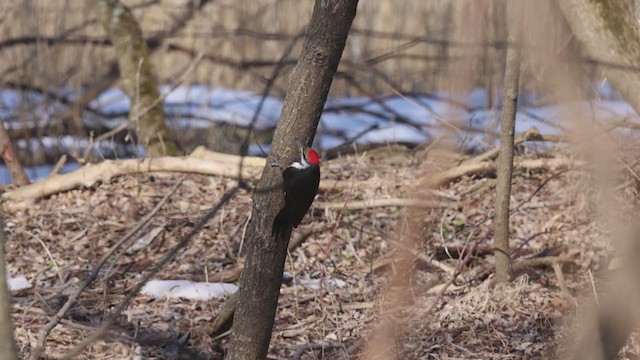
[300,189]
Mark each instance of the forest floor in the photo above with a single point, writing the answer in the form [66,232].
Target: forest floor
[438,304]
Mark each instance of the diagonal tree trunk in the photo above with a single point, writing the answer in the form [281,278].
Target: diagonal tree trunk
[138,80]
[609,31]
[308,89]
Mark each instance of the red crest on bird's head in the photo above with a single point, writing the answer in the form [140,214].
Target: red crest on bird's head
[311,156]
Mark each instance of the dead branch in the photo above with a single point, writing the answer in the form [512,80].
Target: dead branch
[218,164]
[373,203]
[88,175]
[224,319]
[91,174]
[538,261]
[552,261]
[201,161]
[316,347]
[530,135]
[476,168]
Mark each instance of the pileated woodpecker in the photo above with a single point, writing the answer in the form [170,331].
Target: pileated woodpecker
[300,185]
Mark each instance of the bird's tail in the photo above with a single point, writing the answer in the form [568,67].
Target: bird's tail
[280,225]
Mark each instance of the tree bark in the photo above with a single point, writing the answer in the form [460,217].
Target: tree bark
[507,131]
[309,86]
[609,31]
[138,81]
[606,325]
[9,156]
[7,343]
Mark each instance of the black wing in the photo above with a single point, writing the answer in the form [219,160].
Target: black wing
[301,188]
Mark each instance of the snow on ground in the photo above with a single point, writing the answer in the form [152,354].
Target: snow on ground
[464,118]
[336,288]
[18,283]
[201,291]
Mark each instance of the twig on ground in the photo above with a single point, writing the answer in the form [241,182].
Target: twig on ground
[531,134]
[537,190]
[111,319]
[44,332]
[342,208]
[461,264]
[593,288]
[533,262]
[551,261]
[222,322]
[316,347]
[54,263]
[424,258]
[454,252]
[372,203]
[475,168]
[557,269]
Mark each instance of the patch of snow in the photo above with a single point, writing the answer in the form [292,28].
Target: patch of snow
[314,284]
[18,283]
[188,289]
[112,100]
[462,119]
[36,172]
[395,133]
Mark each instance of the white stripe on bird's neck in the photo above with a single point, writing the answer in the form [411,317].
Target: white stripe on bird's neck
[300,165]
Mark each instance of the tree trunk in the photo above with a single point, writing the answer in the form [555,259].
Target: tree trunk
[505,159]
[308,89]
[9,156]
[138,80]
[609,31]
[7,343]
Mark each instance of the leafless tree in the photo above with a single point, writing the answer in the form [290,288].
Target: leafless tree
[507,131]
[138,80]
[308,90]
[608,31]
